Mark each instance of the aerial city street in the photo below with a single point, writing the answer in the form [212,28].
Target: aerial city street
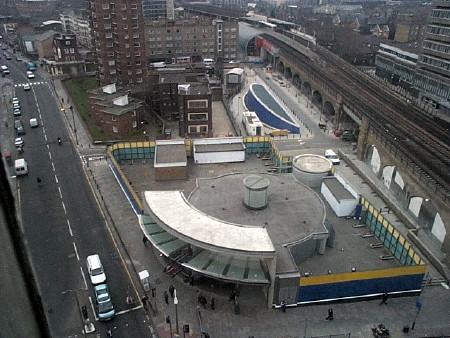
[177,169]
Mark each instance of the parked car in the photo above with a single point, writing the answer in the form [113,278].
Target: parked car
[8,57]
[16,105]
[30,74]
[18,125]
[17,112]
[26,86]
[19,142]
[103,301]
[18,58]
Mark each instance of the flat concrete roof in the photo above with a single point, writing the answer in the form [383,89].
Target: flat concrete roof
[221,147]
[338,190]
[170,152]
[312,163]
[180,217]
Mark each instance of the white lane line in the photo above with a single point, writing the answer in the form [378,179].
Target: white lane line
[64,207]
[45,136]
[70,228]
[84,278]
[60,193]
[76,251]
[56,179]
[50,155]
[40,116]
[53,166]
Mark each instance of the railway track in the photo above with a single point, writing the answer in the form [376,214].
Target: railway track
[423,139]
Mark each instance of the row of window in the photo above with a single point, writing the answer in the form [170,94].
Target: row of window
[124,17]
[439,63]
[198,129]
[66,50]
[440,13]
[198,117]
[438,30]
[124,6]
[125,26]
[436,46]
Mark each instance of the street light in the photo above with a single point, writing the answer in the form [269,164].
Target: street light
[168,321]
[175,302]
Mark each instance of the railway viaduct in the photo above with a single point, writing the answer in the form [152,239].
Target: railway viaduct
[425,201]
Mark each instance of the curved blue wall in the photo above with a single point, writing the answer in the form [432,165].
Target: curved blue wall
[259,100]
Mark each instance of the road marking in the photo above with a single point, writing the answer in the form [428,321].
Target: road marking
[30,83]
[70,228]
[56,179]
[64,207]
[84,278]
[76,251]
[129,310]
[93,309]
[53,166]
[60,194]
[50,155]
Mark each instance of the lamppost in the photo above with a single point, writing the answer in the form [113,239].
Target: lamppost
[168,321]
[175,302]
[74,128]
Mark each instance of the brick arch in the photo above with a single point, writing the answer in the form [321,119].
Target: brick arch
[317,99]
[328,109]
[297,81]
[306,89]
[280,67]
[288,73]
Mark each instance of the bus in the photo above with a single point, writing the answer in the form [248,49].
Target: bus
[31,66]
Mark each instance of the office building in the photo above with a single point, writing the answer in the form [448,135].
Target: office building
[158,9]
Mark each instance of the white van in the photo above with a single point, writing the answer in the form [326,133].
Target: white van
[332,156]
[95,269]
[208,62]
[4,69]
[21,167]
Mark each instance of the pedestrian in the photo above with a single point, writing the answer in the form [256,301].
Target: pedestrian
[129,301]
[145,240]
[213,303]
[144,302]
[283,306]
[237,308]
[171,290]
[62,100]
[199,296]
[166,297]
[232,296]
[384,298]
[153,292]
[330,314]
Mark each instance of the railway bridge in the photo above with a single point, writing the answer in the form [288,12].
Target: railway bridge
[406,146]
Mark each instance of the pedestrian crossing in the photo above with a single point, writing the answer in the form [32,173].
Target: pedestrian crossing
[30,83]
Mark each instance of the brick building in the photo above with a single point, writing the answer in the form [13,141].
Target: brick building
[115,112]
[118,39]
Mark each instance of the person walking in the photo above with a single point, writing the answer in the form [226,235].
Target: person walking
[166,297]
[283,306]
[213,303]
[171,290]
[145,240]
[232,296]
[330,314]
[144,302]
[384,298]
[237,308]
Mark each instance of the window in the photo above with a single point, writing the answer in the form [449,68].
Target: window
[110,53]
[124,7]
[130,72]
[127,45]
[105,6]
[133,113]
[135,26]
[138,62]
[134,6]
[134,16]
[115,129]
[109,44]
[67,43]
[112,71]
[197,104]
[136,35]
[137,44]
[198,129]
[111,63]
[113,118]
[107,26]
[139,80]
[108,35]
[198,117]
[125,26]
[138,71]
[124,17]
[134,122]
[106,16]
[137,53]
[126,36]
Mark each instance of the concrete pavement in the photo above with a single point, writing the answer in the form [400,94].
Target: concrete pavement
[355,318]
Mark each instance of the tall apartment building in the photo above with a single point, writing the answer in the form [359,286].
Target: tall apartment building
[432,81]
[118,39]
[190,40]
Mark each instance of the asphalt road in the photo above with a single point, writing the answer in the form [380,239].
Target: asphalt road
[61,221]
